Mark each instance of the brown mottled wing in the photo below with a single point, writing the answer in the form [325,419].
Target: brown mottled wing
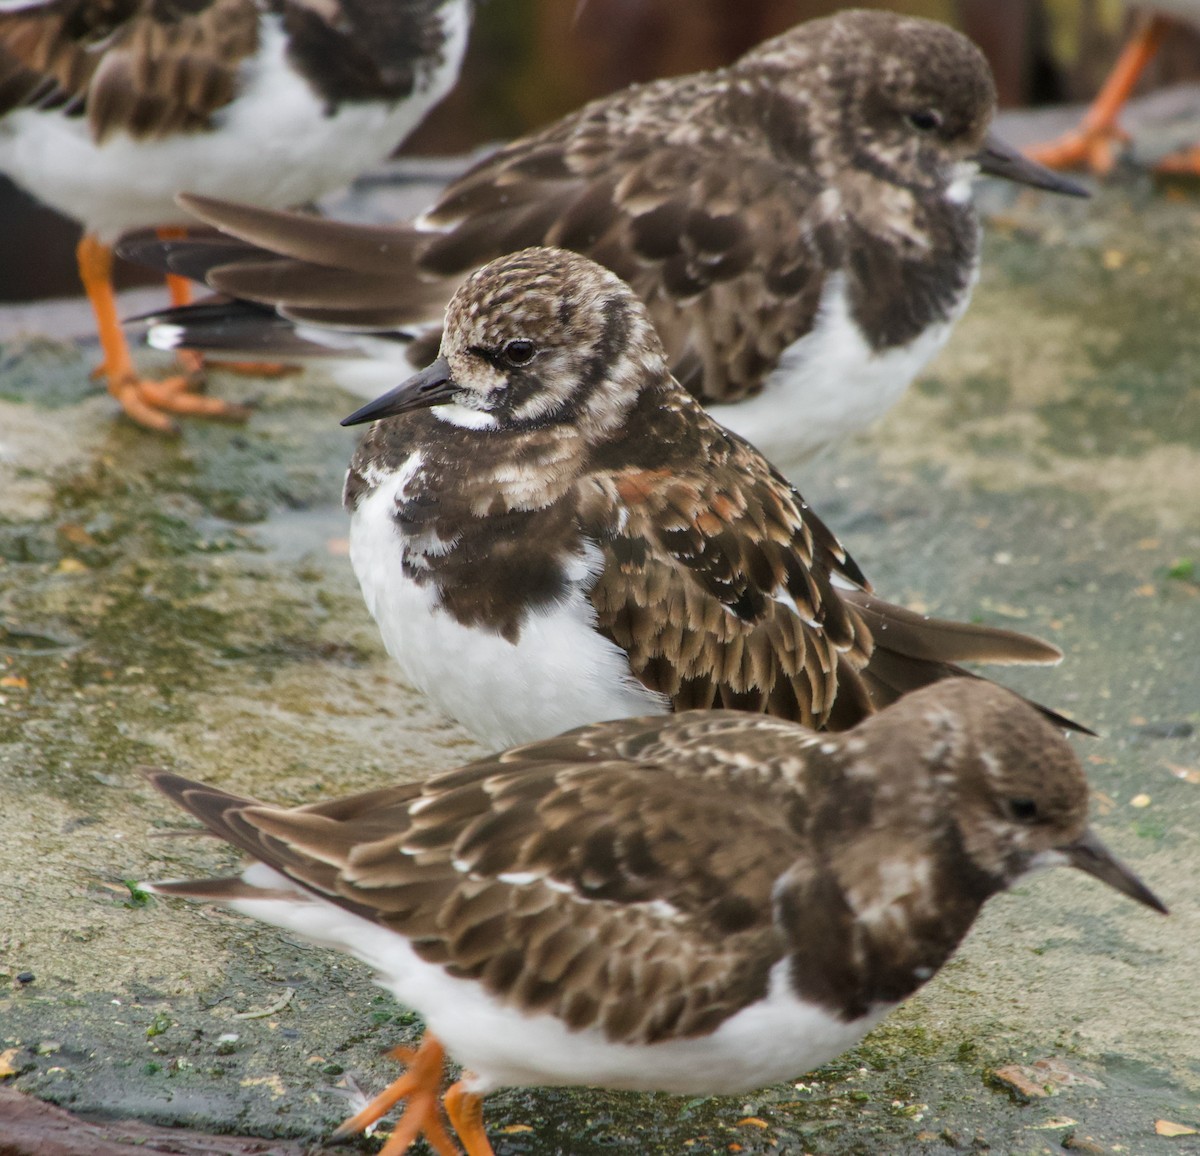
[149,69]
[621,893]
[718,235]
[726,590]
[718,584]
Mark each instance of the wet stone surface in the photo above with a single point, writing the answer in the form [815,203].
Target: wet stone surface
[188,604]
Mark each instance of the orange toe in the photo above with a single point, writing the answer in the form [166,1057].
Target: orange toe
[465,1110]
[420,1087]
[1185,163]
[190,361]
[193,363]
[1094,150]
[150,403]
[1094,145]
[255,368]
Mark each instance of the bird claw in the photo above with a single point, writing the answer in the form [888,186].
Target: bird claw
[421,1087]
[149,403]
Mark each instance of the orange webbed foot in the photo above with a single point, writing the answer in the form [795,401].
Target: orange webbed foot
[421,1087]
[1096,142]
[193,363]
[150,403]
[1093,149]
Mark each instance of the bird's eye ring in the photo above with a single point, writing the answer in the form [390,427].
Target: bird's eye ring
[519,351]
[1023,810]
[925,120]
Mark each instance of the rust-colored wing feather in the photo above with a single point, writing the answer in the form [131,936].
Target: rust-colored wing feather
[726,590]
[718,585]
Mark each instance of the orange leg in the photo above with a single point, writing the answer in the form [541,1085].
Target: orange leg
[1185,163]
[147,402]
[421,1086]
[180,288]
[465,1110]
[1093,143]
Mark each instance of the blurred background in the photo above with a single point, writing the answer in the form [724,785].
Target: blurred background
[531,61]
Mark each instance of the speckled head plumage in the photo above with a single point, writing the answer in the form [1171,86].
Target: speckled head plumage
[899,99]
[537,337]
[808,205]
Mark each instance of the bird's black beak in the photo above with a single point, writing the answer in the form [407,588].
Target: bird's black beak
[432,386]
[999,159]
[1092,856]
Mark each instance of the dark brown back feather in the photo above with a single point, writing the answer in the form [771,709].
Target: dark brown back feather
[147,67]
[609,837]
[645,876]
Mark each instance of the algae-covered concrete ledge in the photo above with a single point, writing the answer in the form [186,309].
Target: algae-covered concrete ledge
[188,604]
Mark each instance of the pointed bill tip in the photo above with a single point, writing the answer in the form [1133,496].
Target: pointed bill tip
[432,386]
[1091,855]
[998,158]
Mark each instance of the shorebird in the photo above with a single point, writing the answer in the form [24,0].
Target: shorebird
[107,110]
[799,226]
[703,903]
[548,529]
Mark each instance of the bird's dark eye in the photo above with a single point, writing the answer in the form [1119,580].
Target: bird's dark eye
[926,120]
[1023,810]
[519,351]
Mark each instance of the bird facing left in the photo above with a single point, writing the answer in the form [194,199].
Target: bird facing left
[108,110]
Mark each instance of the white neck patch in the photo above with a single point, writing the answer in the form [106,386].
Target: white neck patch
[464,417]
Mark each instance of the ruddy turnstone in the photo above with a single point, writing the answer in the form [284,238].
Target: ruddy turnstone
[549,530]
[1094,144]
[107,110]
[799,225]
[704,903]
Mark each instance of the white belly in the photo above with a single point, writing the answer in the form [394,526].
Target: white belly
[830,383]
[559,674]
[275,146]
[778,1039]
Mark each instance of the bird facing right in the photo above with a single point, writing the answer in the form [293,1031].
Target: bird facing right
[704,903]
[799,226]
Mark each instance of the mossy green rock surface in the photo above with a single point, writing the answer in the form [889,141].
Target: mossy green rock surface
[189,604]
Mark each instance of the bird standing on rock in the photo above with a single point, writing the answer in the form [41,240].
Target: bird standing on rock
[799,226]
[1095,143]
[704,903]
[109,109]
[548,530]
